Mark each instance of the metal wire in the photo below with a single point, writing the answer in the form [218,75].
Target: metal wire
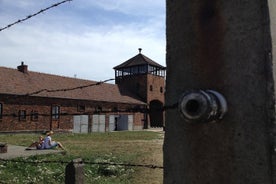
[130,110]
[32,15]
[68,89]
[150,166]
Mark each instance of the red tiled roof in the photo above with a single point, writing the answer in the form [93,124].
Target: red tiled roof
[15,82]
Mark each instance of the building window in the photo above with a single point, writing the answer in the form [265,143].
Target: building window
[161,89]
[22,115]
[1,110]
[115,109]
[98,109]
[81,108]
[34,116]
[55,112]
[151,88]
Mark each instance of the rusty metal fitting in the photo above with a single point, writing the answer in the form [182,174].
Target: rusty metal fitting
[202,106]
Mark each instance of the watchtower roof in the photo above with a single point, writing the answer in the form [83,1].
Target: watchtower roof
[138,60]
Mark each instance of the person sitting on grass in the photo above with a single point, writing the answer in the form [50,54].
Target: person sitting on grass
[49,143]
[38,144]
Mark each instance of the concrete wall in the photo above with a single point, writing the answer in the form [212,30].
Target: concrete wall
[224,46]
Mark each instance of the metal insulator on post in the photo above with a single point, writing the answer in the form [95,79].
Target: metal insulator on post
[202,106]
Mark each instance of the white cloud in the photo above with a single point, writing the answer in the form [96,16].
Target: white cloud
[143,7]
[91,55]
[63,46]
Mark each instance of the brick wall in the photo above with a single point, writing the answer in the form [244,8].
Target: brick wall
[43,106]
[12,121]
[158,88]
[150,88]
[137,84]
[146,86]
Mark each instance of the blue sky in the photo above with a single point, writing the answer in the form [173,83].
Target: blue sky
[86,38]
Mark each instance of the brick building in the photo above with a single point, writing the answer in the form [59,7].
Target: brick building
[32,101]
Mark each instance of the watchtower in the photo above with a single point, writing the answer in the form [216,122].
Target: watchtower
[145,78]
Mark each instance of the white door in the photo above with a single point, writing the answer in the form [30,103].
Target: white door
[95,123]
[130,122]
[111,126]
[80,124]
[98,124]
[102,123]
[84,124]
[76,127]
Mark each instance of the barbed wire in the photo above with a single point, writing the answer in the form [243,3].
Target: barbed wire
[68,89]
[150,166]
[32,15]
[128,110]
[95,112]
[143,109]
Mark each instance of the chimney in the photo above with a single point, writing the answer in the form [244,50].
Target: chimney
[23,68]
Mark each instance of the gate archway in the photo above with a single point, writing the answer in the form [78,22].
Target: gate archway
[156,114]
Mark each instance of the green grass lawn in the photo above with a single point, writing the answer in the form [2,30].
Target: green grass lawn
[137,147]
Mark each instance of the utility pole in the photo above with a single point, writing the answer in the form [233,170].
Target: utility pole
[219,72]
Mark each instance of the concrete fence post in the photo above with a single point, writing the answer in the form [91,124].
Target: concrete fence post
[3,147]
[74,173]
[222,46]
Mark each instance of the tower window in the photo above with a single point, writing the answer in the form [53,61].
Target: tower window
[151,88]
[161,89]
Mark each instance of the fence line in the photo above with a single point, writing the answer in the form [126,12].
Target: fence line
[128,110]
[150,166]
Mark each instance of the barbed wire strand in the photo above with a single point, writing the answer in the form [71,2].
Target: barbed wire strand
[164,108]
[68,89]
[150,166]
[129,110]
[126,110]
[32,15]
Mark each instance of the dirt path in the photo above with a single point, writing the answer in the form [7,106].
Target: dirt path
[19,151]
